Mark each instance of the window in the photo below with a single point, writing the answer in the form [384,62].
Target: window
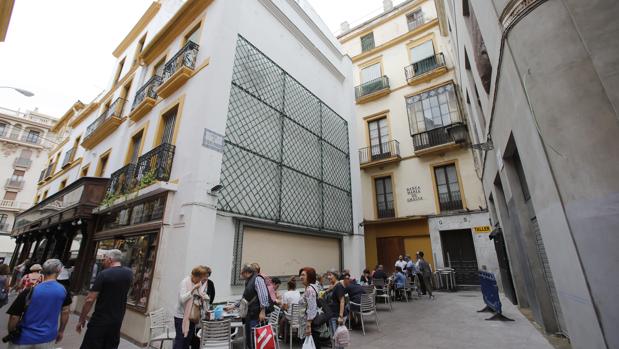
[422,52]
[138,254]
[2,129]
[44,195]
[447,187]
[379,139]
[193,34]
[102,164]
[433,109]
[84,171]
[16,131]
[10,195]
[63,184]
[370,73]
[367,42]
[167,127]
[138,49]
[18,175]
[124,93]
[32,136]
[4,226]
[414,19]
[158,68]
[134,148]
[384,197]
[119,70]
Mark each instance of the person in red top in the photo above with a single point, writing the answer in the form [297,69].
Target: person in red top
[33,278]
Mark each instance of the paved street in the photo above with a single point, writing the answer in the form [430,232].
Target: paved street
[450,321]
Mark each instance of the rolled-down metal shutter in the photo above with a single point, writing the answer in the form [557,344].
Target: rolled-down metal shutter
[541,251]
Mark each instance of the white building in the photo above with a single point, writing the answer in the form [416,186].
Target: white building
[226,133]
[421,186]
[25,141]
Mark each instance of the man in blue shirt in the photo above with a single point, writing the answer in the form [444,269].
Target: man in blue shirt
[43,305]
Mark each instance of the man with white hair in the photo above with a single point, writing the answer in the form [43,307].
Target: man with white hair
[110,291]
[41,306]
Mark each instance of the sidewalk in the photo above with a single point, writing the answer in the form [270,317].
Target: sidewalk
[450,321]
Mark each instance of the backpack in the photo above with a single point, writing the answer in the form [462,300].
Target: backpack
[324,312]
[271,291]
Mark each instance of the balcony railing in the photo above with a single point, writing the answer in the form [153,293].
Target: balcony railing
[386,213]
[372,86]
[24,138]
[14,183]
[450,201]
[379,152]
[149,90]
[154,165]
[22,162]
[186,57]
[68,157]
[432,138]
[424,66]
[416,22]
[114,110]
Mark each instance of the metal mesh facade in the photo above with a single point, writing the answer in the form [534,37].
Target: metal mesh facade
[286,154]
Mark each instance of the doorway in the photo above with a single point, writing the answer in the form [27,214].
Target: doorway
[459,253]
[389,249]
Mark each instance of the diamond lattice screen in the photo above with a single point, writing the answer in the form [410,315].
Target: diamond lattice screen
[286,153]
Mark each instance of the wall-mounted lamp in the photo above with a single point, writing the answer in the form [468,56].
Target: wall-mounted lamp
[215,190]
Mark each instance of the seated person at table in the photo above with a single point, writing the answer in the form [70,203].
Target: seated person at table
[380,274]
[399,278]
[366,279]
[292,296]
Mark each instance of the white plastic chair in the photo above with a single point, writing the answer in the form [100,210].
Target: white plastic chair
[366,308]
[215,334]
[160,324]
[296,319]
[382,291]
[274,320]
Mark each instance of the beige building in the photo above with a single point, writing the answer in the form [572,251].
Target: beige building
[420,187]
[25,141]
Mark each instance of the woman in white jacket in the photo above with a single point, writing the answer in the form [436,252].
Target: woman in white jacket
[192,286]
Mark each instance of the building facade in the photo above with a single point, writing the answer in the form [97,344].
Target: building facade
[541,77]
[420,187]
[25,140]
[213,145]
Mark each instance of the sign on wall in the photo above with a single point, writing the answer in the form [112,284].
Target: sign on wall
[413,193]
[213,140]
[481,229]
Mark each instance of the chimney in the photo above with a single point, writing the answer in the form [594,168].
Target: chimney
[388,5]
[344,26]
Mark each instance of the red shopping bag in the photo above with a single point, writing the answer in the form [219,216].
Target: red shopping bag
[264,337]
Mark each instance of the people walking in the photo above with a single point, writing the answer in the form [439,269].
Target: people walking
[4,284]
[18,274]
[426,273]
[310,297]
[256,298]
[37,311]
[191,288]
[33,278]
[422,284]
[109,290]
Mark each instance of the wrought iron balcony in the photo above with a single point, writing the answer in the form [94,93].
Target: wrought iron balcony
[68,157]
[14,183]
[122,181]
[386,213]
[450,201]
[373,88]
[105,124]
[432,138]
[152,166]
[379,152]
[415,22]
[425,66]
[22,163]
[178,69]
[148,90]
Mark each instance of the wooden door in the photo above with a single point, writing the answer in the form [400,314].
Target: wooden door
[388,251]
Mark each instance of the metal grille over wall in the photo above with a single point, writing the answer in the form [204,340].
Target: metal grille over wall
[286,154]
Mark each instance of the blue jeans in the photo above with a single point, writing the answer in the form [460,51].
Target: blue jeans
[181,342]
[249,339]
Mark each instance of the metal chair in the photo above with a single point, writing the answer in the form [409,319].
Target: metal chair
[366,308]
[296,319]
[368,289]
[161,328]
[382,291]
[274,320]
[411,287]
[215,334]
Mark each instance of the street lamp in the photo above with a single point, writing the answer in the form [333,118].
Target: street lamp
[458,133]
[20,90]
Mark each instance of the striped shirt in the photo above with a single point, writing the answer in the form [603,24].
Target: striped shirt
[263,293]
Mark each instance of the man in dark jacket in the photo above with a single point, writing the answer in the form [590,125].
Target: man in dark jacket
[257,296]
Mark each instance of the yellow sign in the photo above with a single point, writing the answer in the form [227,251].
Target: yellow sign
[482,229]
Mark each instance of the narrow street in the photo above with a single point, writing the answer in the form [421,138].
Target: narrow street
[450,321]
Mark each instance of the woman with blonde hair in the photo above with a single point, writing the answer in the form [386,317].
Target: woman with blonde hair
[192,286]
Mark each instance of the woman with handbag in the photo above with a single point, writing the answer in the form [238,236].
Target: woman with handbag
[310,298]
[191,298]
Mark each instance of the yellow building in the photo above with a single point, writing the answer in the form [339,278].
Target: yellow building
[419,183]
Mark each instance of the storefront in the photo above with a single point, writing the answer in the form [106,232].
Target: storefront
[385,241]
[60,227]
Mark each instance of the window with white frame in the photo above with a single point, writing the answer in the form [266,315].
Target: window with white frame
[433,109]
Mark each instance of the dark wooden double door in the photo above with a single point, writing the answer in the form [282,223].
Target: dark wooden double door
[459,253]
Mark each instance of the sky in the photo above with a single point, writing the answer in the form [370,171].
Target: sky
[62,50]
